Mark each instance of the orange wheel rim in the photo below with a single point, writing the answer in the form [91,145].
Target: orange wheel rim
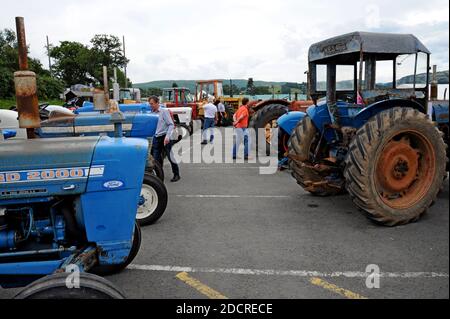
[405,170]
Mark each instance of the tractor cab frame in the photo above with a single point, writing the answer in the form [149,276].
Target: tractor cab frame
[363,68]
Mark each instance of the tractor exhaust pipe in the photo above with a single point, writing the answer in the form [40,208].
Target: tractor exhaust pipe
[25,86]
[434,85]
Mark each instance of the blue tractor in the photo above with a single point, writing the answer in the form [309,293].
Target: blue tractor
[67,205]
[154,197]
[380,138]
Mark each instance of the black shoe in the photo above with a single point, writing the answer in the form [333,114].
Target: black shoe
[204,142]
[175,179]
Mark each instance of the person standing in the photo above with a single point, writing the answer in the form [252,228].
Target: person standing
[221,112]
[161,140]
[240,123]
[210,111]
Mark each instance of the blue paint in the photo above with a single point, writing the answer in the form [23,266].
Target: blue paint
[8,134]
[289,121]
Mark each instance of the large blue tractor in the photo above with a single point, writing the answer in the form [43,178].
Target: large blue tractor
[67,205]
[381,139]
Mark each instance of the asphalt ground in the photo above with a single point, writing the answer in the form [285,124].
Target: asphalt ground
[231,232]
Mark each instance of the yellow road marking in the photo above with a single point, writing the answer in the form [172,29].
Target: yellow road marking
[340,291]
[202,288]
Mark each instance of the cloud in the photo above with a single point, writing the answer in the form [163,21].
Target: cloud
[187,39]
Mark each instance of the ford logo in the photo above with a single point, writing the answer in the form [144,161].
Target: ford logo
[113,184]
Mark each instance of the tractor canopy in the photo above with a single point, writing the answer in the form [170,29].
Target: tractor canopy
[363,68]
[346,49]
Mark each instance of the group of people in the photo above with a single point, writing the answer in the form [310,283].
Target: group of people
[214,113]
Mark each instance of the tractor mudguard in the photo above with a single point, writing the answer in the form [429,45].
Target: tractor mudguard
[440,112]
[368,112]
[290,120]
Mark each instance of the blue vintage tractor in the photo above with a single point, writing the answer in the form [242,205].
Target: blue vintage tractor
[71,202]
[154,197]
[381,139]
[67,205]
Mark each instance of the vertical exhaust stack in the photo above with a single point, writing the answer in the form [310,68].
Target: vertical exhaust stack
[25,86]
[434,85]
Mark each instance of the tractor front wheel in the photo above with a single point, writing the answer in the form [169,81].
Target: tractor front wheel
[106,270]
[395,166]
[152,201]
[154,168]
[303,161]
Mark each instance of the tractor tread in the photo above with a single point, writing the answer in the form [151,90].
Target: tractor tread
[360,161]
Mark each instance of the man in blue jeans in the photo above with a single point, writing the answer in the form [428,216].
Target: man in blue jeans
[161,141]
[240,123]
[210,113]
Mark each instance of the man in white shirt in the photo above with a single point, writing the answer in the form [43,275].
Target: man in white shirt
[210,111]
[221,112]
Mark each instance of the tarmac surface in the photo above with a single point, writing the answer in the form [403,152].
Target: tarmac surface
[231,232]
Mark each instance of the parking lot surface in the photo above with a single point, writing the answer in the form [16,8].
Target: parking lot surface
[230,232]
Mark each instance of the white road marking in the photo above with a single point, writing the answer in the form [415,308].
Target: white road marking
[292,273]
[232,196]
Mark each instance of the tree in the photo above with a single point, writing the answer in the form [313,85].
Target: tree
[250,87]
[72,63]
[174,85]
[106,51]
[262,90]
[48,86]
[151,91]
[227,90]
[121,79]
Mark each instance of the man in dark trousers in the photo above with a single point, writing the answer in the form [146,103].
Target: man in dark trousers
[161,140]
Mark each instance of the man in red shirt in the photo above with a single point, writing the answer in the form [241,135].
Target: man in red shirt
[240,122]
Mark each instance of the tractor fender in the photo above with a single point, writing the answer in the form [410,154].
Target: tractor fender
[365,114]
[289,121]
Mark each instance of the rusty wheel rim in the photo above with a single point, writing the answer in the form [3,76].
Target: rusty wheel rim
[405,169]
[269,130]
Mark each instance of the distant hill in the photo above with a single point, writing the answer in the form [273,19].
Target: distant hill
[190,84]
[443,78]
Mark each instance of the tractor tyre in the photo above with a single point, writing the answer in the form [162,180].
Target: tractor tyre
[154,168]
[153,200]
[227,120]
[283,144]
[302,145]
[56,287]
[264,117]
[107,270]
[395,166]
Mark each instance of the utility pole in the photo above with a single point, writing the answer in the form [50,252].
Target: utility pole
[125,69]
[231,88]
[48,54]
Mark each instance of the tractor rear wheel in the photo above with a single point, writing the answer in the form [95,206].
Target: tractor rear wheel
[302,147]
[283,144]
[55,287]
[266,118]
[395,166]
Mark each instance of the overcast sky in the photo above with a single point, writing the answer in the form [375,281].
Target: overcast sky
[188,39]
